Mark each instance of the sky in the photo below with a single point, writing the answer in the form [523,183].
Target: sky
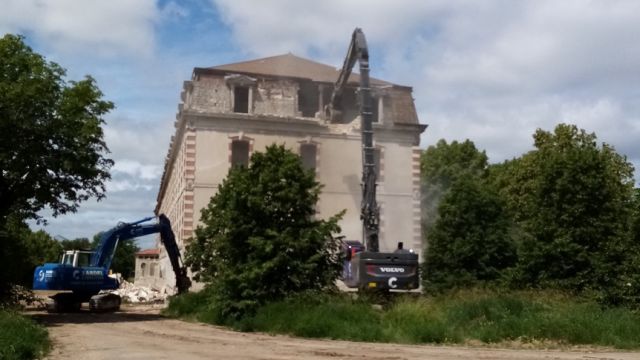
[492,71]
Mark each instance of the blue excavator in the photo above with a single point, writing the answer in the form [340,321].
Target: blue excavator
[81,275]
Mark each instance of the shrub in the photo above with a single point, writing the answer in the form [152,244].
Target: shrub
[21,338]
[470,243]
[260,240]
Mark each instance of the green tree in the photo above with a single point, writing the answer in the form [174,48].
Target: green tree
[124,260]
[470,242]
[443,164]
[77,244]
[23,251]
[51,140]
[260,240]
[52,152]
[635,224]
[572,198]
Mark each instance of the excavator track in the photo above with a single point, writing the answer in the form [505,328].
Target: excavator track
[105,302]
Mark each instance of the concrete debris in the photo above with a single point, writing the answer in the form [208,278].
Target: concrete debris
[136,294]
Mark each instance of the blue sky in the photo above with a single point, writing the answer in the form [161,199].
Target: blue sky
[492,71]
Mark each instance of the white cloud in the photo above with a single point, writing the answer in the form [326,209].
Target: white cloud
[95,216]
[492,71]
[124,185]
[270,27]
[136,169]
[144,144]
[108,27]
[173,10]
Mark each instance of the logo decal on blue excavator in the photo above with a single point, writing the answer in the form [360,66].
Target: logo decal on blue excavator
[41,275]
[87,274]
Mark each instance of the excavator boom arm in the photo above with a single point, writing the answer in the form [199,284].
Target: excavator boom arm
[370,213]
[109,242]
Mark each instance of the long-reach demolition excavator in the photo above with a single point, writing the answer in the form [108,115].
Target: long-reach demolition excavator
[366,267]
[83,274]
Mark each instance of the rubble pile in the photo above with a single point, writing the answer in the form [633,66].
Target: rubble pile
[135,294]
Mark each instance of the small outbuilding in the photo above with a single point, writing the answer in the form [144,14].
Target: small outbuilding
[147,271]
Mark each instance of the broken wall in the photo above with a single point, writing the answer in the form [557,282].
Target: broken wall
[276,97]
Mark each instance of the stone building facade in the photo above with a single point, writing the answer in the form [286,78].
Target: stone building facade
[147,271]
[227,112]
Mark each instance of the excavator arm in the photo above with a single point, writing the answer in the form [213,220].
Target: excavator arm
[369,269]
[183,283]
[369,210]
[357,51]
[124,231]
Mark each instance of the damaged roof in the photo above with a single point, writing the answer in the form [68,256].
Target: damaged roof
[289,65]
[148,252]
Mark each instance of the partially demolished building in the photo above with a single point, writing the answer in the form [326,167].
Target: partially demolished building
[229,111]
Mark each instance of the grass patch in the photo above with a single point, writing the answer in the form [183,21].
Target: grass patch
[21,338]
[456,318]
[319,316]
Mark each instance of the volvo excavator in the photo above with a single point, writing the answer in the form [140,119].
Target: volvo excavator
[365,266]
[82,275]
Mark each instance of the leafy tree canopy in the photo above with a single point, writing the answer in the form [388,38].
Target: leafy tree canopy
[22,251]
[443,164]
[572,197]
[52,153]
[260,240]
[470,243]
[77,244]
[51,140]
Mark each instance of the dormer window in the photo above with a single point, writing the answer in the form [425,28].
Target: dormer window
[241,87]
[308,99]
[379,101]
[241,99]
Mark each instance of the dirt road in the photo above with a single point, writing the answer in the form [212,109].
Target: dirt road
[140,333]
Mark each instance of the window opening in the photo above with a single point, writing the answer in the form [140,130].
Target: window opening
[84,259]
[240,153]
[308,154]
[241,99]
[308,103]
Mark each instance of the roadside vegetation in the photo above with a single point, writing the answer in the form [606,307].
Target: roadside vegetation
[564,217]
[21,338]
[553,234]
[543,319]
